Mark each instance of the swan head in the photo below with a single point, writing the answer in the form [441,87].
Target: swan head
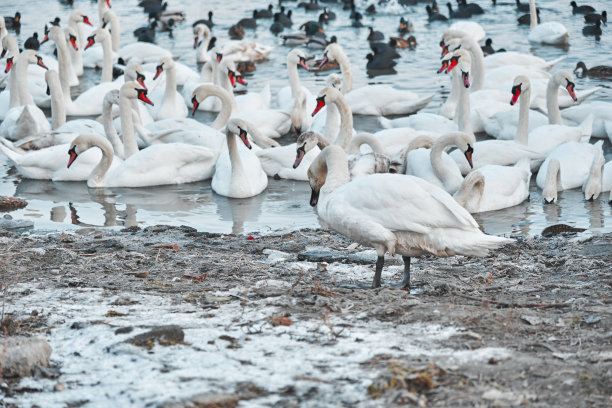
[112,97]
[97,36]
[85,142]
[78,16]
[234,76]
[132,90]
[31,57]
[552,183]
[305,143]
[134,72]
[165,63]
[450,34]
[298,58]
[200,33]
[333,52]
[459,58]
[108,17]
[521,84]
[204,91]
[327,95]
[239,127]
[566,79]
[451,45]
[465,143]
[71,35]
[9,44]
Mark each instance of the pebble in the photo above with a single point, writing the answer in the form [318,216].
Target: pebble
[169,334]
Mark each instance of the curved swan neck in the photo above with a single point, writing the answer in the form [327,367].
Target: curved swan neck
[533,16]
[58,109]
[435,156]
[477,71]
[107,52]
[470,192]
[63,59]
[130,146]
[226,108]
[522,130]
[552,102]
[96,177]
[361,139]
[232,147]
[345,68]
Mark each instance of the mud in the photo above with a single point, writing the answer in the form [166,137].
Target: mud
[269,321]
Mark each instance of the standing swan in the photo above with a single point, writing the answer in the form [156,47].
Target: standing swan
[238,172]
[393,213]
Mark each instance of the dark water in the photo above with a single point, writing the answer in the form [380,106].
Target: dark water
[284,204]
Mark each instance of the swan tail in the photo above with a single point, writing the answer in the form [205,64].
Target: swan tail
[7,148]
[586,129]
[586,93]
[547,65]
[461,242]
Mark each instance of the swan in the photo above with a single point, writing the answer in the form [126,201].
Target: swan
[438,169]
[295,96]
[27,119]
[208,75]
[492,187]
[238,172]
[550,33]
[201,40]
[566,167]
[393,213]
[110,18]
[599,179]
[48,163]
[143,52]
[602,115]
[163,164]
[63,45]
[421,121]
[245,50]
[374,100]
[169,103]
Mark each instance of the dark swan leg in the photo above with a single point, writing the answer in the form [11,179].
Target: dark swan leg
[379,266]
[406,281]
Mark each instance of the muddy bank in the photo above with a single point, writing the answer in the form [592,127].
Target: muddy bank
[264,321]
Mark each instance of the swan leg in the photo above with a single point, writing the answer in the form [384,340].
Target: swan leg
[377,275]
[406,280]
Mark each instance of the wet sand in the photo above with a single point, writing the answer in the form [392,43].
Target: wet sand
[266,321]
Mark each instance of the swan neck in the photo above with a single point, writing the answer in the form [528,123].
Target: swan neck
[21,76]
[346,122]
[552,102]
[109,128]
[347,73]
[226,109]
[127,127]
[58,109]
[435,156]
[115,31]
[107,68]
[478,68]
[234,155]
[533,15]
[64,67]
[336,169]
[294,79]
[464,122]
[96,176]
[361,139]
[14,100]
[522,130]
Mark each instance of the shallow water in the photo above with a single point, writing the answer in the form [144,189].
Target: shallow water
[284,205]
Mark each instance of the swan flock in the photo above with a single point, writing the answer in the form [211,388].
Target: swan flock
[408,188]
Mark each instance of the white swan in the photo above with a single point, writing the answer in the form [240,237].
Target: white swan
[393,213]
[550,33]
[143,52]
[600,178]
[208,75]
[163,164]
[63,45]
[296,98]
[238,172]
[373,99]
[201,40]
[566,167]
[602,115]
[27,119]
[492,187]
[436,167]
[93,57]
[245,50]
[169,102]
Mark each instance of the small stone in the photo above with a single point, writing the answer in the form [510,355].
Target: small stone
[23,354]
[204,401]
[164,335]
[141,275]
[124,330]
[59,387]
